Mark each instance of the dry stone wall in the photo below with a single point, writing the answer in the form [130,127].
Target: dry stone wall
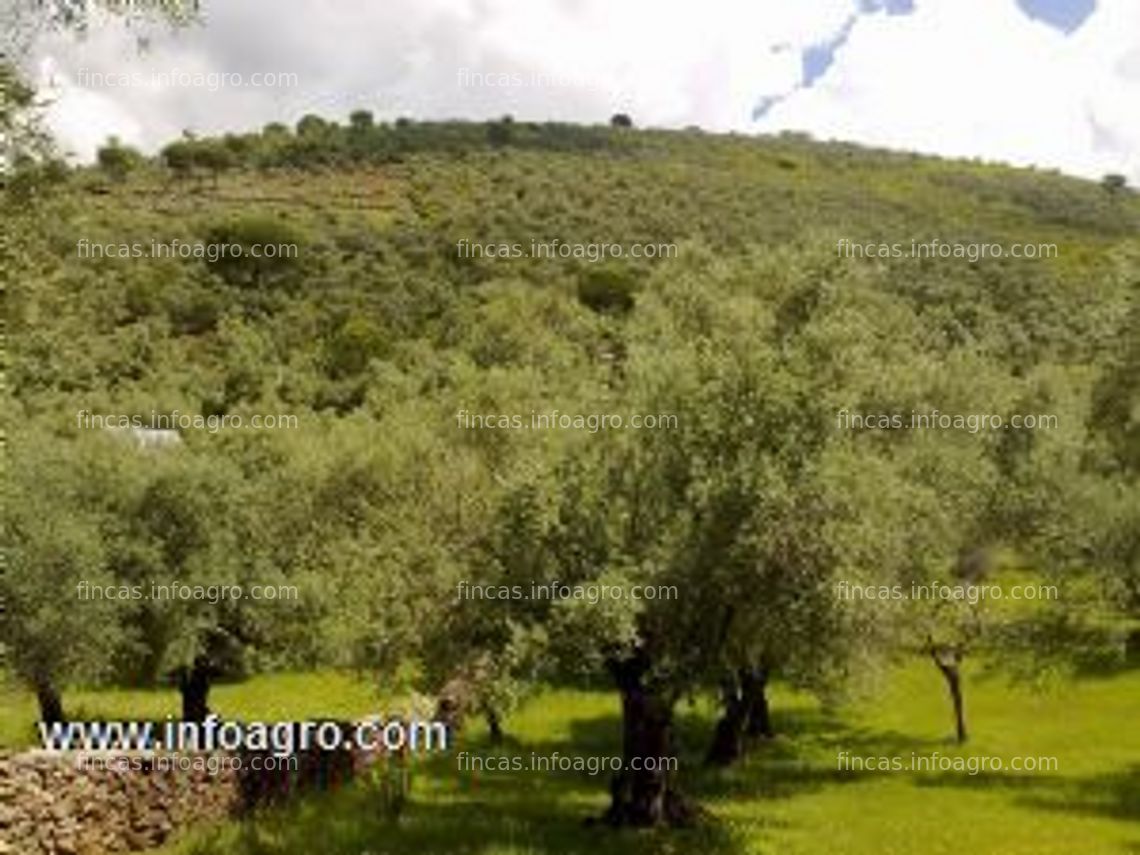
[61,804]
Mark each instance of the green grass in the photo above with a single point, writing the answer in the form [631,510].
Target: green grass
[1090,804]
[788,797]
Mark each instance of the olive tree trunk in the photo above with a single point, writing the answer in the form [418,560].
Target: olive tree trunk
[754,692]
[194,685]
[643,794]
[51,704]
[949,663]
[728,737]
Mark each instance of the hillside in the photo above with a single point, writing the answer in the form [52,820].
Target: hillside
[379,275]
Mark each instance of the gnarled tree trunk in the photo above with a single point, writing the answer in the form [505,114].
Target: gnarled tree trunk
[194,685]
[494,724]
[754,693]
[51,705]
[643,793]
[746,715]
[728,737]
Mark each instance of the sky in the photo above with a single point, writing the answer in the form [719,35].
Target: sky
[1050,83]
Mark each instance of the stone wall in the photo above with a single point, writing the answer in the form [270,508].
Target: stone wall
[52,805]
[62,804]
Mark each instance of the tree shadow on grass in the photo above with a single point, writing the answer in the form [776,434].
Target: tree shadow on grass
[1116,795]
[496,819]
[1113,795]
[482,806]
[802,760]
[814,749]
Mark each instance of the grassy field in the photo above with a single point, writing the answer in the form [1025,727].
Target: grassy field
[787,797]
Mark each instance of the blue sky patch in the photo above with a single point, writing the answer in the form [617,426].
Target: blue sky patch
[765,105]
[892,7]
[1064,15]
[818,58]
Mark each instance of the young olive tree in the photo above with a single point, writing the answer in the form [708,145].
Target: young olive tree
[56,520]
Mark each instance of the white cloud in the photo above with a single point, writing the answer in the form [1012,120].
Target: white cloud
[955,77]
[84,118]
[977,78]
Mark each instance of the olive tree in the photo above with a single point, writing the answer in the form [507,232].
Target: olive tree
[56,520]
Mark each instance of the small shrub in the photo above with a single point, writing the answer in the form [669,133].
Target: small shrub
[311,126]
[609,289]
[361,120]
[500,133]
[255,250]
[349,350]
[179,158]
[1114,183]
[118,160]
